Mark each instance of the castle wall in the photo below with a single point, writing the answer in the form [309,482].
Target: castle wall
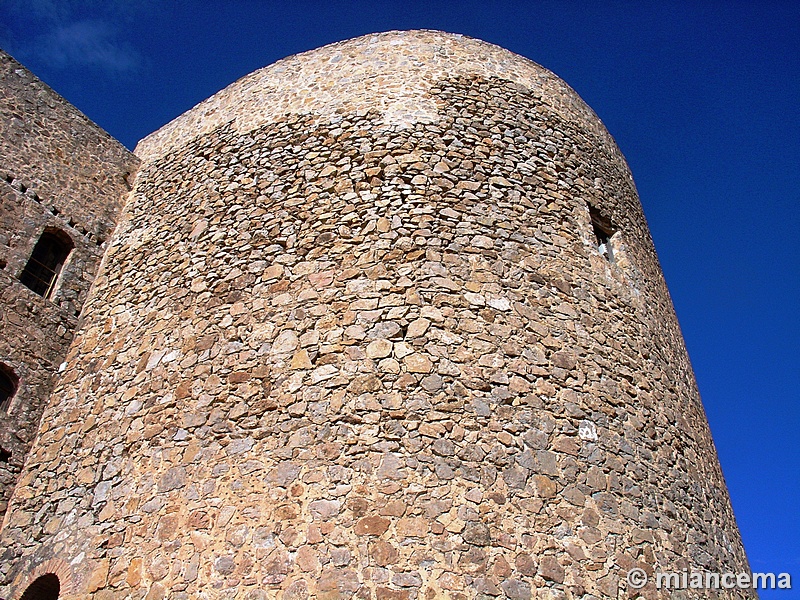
[336,353]
[58,171]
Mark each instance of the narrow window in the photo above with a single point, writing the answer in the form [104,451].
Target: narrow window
[46,587]
[47,258]
[8,387]
[603,230]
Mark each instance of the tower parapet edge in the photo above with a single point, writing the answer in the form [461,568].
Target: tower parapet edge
[382,320]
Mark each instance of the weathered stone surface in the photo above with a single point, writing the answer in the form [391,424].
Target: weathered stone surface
[379,348]
[551,570]
[372,526]
[353,338]
[417,328]
[517,590]
[384,553]
[418,363]
[59,173]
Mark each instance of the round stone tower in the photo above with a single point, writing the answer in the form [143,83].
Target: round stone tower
[382,320]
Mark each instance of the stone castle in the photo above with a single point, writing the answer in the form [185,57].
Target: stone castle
[382,320]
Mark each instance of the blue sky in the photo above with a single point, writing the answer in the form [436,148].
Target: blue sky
[702,97]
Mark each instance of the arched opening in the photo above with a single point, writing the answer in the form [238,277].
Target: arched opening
[8,387]
[47,258]
[46,587]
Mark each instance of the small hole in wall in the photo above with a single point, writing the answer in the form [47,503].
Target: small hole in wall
[601,239]
[603,230]
[5,455]
[9,178]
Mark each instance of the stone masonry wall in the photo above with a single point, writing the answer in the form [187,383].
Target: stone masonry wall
[335,354]
[58,171]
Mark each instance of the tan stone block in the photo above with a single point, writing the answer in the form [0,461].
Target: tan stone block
[85,475]
[640,535]
[380,348]
[156,592]
[394,508]
[501,568]
[238,377]
[545,487]
[384,593]
[272,272]
[53,524]
[596,479]
[402,349]
[285,342]
[307,559]
[418,363]
[412,527]
[389,365]
[98,577]
[567,444]
[301,360]
[417,328]
[314,534]
[383,553]
[134,572]
[107,513]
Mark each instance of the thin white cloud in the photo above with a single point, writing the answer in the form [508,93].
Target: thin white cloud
[63,10]
[92,43]
[60,33]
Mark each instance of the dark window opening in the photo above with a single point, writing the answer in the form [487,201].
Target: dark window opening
[5,455]
[46,587]
[47,258]
[603,231]
[8,387]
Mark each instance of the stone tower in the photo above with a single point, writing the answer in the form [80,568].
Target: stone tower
[382,320]
[63,181]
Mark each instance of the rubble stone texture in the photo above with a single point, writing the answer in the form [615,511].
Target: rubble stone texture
[58,171]
[353,338]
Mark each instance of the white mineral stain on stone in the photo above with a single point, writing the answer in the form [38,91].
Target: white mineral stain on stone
[587,431]
[499,303]
[475,299]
